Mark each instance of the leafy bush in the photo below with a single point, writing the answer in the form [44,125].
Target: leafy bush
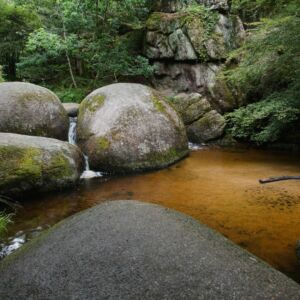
[267,120]
[268,72]
[71,95]
[4,221]
[1,76]
[88,39]
[254,10]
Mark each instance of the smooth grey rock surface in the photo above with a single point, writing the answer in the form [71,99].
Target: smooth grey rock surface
[132,250]
[29,109]
[35,164]
[71,109]
[129,127]
[210,127]
[191,107]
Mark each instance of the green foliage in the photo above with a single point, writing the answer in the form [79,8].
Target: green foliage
[16,22]
[4,221]
[43,57]
[68,95]
[1,75]
[209,17]
[89,40]
[267,120]
[268,72]
[254,10]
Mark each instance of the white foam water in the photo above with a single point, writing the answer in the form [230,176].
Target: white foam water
[72,137]
[72,131]
[196,147]
[89,174]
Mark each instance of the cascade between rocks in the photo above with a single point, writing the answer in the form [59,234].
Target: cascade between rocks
[72,138]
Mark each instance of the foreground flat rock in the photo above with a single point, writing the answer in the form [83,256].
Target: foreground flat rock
[132,250]
[30,164]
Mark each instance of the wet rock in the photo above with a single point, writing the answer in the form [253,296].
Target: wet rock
[191,107]
[181,46]
[219,5]
[186,36]
[185,77]
[32,110]
[132,250]
[189,48]
[208,128]
[71,109]
[29,164]
[169,6]
[130,127]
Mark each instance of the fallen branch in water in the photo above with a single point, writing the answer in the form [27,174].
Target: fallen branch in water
[281,178]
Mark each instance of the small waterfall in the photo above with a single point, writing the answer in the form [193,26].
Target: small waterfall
[88,174]
[72,131]
[72,137]
[196,147]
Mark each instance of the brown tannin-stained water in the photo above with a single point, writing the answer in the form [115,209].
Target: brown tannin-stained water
[217,187]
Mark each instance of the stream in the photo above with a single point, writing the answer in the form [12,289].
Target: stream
[218,187]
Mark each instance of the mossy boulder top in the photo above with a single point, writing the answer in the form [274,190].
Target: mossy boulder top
[32,110]
[130,127]
[29,164]
[131,250]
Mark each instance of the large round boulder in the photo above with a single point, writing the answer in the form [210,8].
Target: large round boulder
[131,250]
[130,127]
[29,163]
[32,110]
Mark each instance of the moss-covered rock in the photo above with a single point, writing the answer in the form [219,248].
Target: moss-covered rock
[29,164]
[196,34]
[191,106]
[134,129]
[32,110]
[208,128]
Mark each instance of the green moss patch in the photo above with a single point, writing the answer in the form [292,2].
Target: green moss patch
[103,143]
[59,167]
[158,104]
[17,164]
[92,104]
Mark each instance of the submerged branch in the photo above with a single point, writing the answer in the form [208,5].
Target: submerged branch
[280,178]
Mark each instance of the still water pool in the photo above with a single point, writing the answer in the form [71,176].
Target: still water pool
[220,188]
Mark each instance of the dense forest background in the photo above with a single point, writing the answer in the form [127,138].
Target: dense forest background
[74,46]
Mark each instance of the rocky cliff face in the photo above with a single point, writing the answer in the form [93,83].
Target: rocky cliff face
[189,43]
